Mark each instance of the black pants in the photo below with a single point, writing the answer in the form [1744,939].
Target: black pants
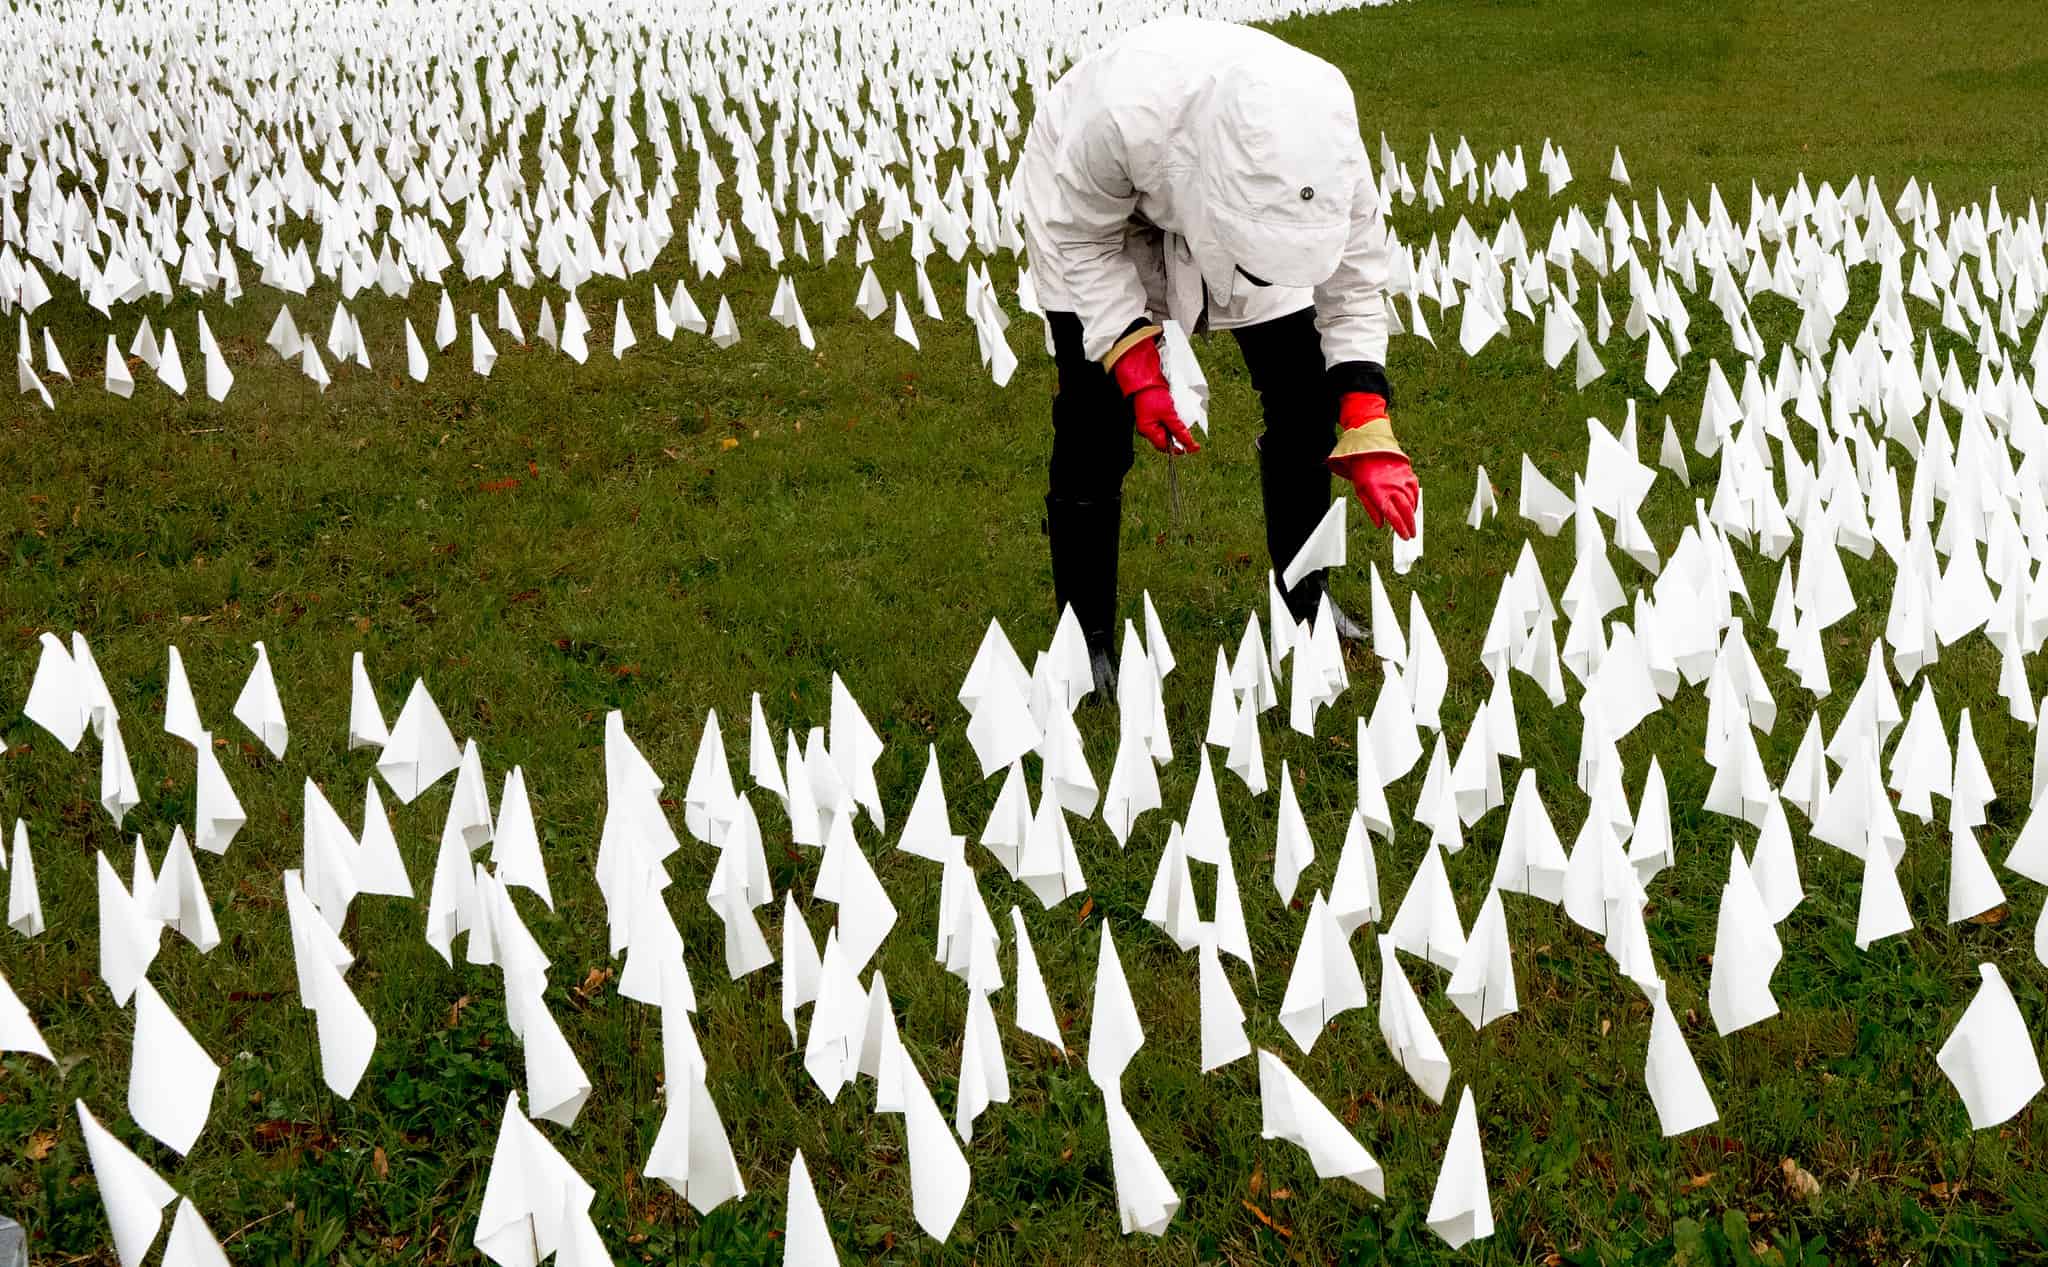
[1093,447]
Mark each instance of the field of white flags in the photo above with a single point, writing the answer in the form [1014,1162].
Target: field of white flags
[535,724]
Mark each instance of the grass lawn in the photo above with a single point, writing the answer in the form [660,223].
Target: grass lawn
[670,533]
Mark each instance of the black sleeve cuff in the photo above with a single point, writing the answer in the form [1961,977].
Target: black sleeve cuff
[1360,376]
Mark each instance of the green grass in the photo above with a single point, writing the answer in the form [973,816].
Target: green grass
[671,533]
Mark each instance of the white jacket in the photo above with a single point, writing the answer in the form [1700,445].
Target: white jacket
[1189,149]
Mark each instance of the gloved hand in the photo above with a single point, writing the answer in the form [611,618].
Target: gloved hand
[1370,457]
[1139,376]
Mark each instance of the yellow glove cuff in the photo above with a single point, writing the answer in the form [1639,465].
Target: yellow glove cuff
[1144,334]
[1376,436]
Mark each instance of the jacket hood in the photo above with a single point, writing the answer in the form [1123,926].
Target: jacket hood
[1281,161]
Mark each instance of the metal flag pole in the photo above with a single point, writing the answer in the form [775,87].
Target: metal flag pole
[1173,490]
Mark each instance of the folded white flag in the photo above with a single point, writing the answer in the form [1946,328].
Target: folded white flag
[1325,547]
[366,728]
[420,750]
[1145,1199]
[806,1240]
[1114,1035]
[133,1194]
[1990,1055]
[259,708]
[1461,1208]
[1290,1111]
[18,1030]
[191,1242]
[171,1079]
[1483,987]
[1325,982]
[1669,1071]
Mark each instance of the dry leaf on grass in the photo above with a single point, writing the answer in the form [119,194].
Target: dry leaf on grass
[1268,1220]
[593,981]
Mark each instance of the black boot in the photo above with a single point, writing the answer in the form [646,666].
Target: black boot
[1297,497]
[1084,537]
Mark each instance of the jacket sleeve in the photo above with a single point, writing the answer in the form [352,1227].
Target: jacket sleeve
[1351,306]
[1084,229]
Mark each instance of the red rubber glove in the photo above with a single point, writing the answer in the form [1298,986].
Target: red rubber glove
[1139,376]
[1372,460]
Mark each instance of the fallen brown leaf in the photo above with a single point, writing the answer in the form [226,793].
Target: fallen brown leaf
[40,1144]
[455,1011]
[593,981]
[1257,1183]
[1696,1182]
[1087,909]
[1267,1219]
[380,1163]
[277,1132]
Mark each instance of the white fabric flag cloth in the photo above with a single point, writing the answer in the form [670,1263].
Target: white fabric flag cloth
[939,1176]
[18,1030]
[24,902]
[1461,1208]
[1325,547]
[171,1079]
[181,712]
[1990,1055]
[259,708]
[984,1075]
[192,1243]
[1034,1006]
[1426,925]
[691,1152]
[218,814]
[1406,1029]
[534,1203]
[806,1240]
[1291,1111]
[179,900]
[1676,1087]
[420,750]
[366,728]
[1114,1035]
[1746,953]
[1223,1036]
[1483,987]
[129,937]
[134,1195]
[57,695]
[347,1035]
[1325,981]
[1145,1198]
